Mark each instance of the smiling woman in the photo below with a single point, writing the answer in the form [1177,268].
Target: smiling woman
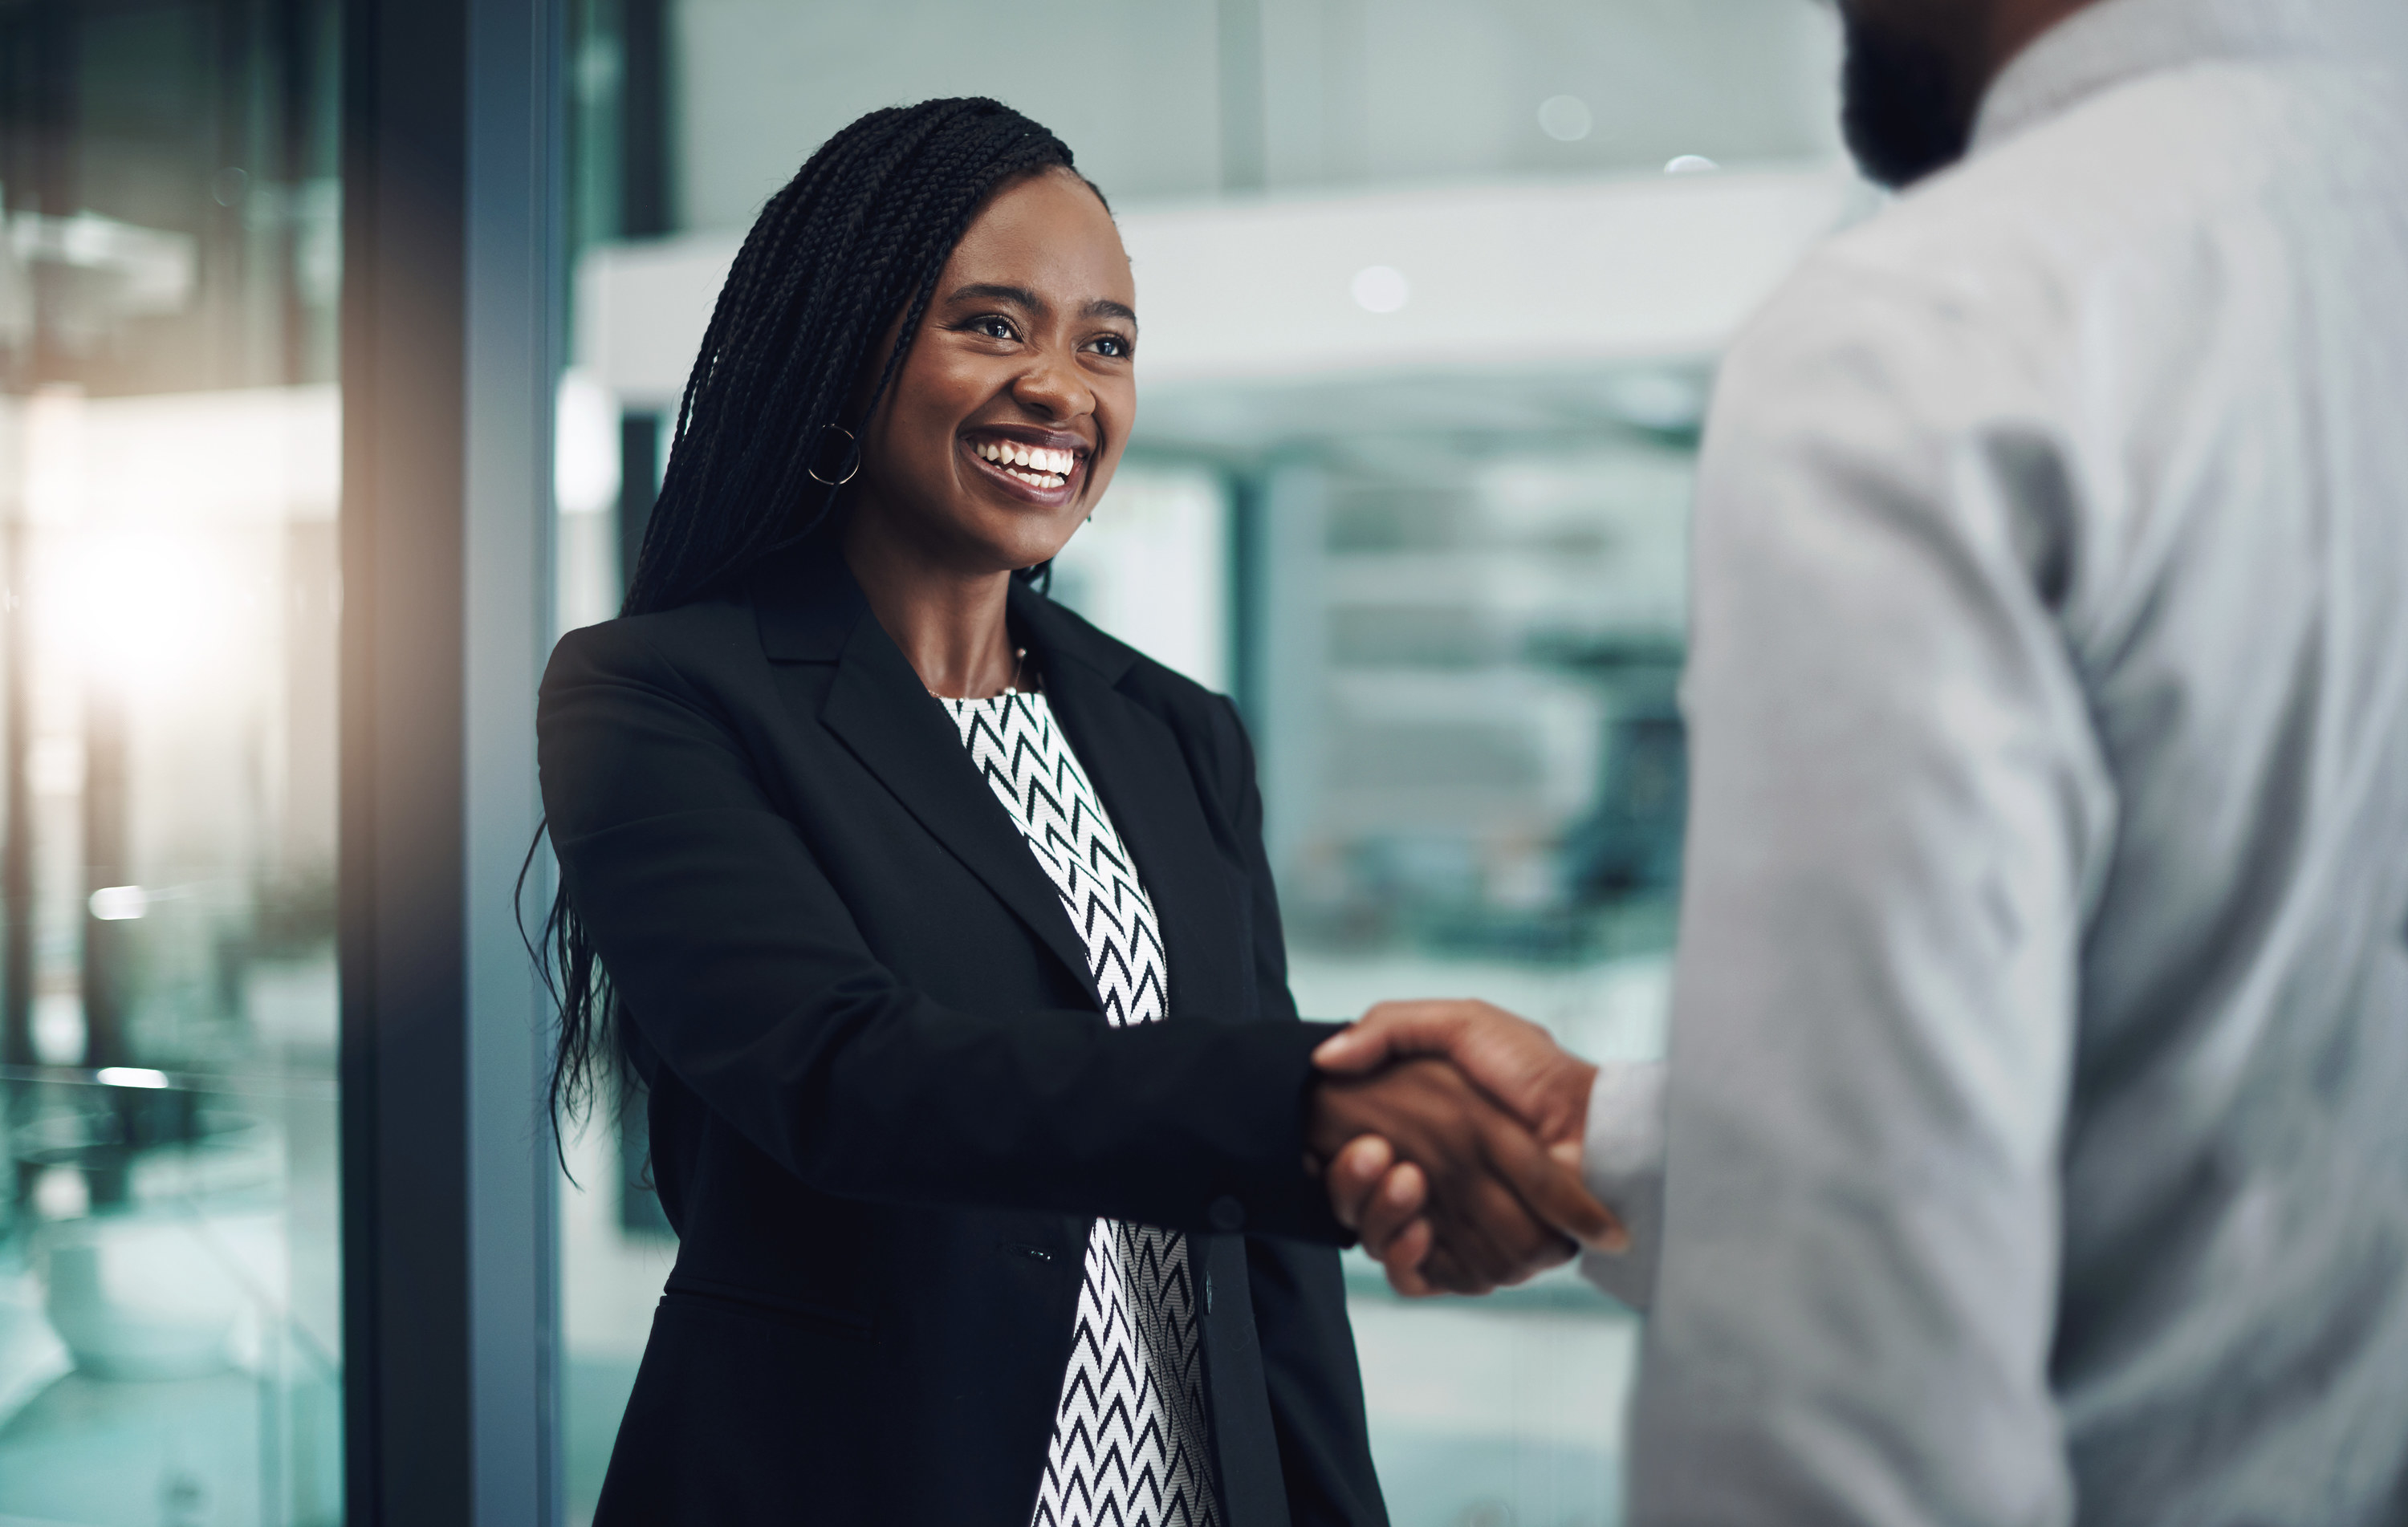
[936,924]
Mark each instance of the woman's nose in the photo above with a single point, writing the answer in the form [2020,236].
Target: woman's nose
[1053,387]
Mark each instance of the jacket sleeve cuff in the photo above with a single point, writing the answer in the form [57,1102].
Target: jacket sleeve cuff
[1289,1200]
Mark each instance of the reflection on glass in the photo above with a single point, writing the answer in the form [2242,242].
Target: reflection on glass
[169,441]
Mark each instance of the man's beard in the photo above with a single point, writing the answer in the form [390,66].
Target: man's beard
[1902,103]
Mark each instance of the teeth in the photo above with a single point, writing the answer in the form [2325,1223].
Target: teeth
[1040,464]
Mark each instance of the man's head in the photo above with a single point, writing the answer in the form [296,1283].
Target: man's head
[1915,71]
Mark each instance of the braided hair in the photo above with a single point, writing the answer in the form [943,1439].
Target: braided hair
[773,412]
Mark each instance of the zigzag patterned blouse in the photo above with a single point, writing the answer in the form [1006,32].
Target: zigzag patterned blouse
[1131,1442]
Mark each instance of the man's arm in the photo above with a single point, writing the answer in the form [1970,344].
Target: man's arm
[1897,811]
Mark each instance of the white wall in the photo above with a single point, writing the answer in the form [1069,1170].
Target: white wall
[1503,279]
[1151,566]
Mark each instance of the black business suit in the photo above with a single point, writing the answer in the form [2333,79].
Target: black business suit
[884,1105]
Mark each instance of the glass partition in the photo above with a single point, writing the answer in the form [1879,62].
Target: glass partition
[170,1325]
[1431,296]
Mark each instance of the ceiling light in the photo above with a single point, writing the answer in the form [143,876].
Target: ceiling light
[1565,118]
[1382,289]
[119,903]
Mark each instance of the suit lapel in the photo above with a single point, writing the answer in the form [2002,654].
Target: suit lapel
[809,609]
[1137,767]
[878,707]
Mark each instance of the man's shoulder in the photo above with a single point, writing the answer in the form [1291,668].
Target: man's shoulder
[2140,172]
[2153,198]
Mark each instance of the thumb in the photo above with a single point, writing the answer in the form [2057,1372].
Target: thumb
[1388,1030]
[1551,1186]
[1357,1048]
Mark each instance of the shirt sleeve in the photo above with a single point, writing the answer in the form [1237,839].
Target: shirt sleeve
[1897,807]
[1622,1162]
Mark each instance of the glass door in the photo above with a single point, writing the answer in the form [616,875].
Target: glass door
[170,1288]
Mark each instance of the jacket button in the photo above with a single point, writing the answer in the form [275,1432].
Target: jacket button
[1228,1214]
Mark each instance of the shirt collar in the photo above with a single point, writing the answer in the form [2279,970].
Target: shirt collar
[2111,41]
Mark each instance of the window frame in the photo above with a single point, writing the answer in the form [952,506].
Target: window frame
[451,346]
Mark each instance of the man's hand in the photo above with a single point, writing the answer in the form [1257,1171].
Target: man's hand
[1514,1061]
[1491,1197]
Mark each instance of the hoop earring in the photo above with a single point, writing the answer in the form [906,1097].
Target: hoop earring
[814,472]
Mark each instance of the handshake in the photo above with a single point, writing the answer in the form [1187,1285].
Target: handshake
[1449,1136]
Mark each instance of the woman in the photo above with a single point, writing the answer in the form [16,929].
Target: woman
[952,1248]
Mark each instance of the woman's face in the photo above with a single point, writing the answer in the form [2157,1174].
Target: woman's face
[1004,426]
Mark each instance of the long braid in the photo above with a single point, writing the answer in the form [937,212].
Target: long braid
[855,239]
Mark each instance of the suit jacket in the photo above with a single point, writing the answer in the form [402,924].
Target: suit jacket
[884,1105]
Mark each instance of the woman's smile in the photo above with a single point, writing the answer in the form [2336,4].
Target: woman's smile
[1035,465]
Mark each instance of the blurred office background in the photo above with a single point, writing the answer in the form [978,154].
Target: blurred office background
[1431,294]
[171,1333]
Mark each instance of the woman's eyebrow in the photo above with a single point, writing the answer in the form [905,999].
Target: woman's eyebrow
[1020,296]
[990,291]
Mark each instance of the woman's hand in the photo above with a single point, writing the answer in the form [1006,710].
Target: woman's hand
[1383,1192]
[1480,1198]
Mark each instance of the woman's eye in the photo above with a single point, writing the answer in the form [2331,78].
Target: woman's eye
[994,326]
[1113,346]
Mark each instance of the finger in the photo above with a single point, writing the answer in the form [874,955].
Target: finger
[1405,1253]
[1454,1133]
[1481,1214]
[1432,1115]
[1552,1190]
[1485,1229]
[1525,1246]
[1514,1061]
[1442,1272]
[1389,1029]
[1494,1234]
[1352,1049]
[1355,1174]
[1397,1203]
